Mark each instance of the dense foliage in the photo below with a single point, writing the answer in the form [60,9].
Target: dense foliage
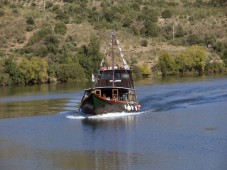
[25,69]
[190,61]
[39,43]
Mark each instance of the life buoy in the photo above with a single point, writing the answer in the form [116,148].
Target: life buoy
[129,108]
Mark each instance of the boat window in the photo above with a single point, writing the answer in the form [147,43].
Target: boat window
[124,75]
[105,76]
[117,76]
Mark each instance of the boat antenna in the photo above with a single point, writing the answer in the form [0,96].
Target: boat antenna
[112,40]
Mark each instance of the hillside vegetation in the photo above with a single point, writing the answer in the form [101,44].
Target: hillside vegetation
[49,40]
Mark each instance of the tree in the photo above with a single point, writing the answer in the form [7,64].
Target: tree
[191,59]
[151,29]
[137,72]
[184,62]
[198,56]
[12,69]
[72,71]
[179,31]
[166,64]
[34,70]
[90,56]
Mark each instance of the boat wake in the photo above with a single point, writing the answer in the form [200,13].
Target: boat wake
[115,115]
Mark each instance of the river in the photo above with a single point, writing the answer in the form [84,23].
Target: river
[182,126]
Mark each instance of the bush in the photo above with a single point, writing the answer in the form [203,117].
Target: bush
[30,28]
[179,31]
[215,67]
[60,28]
[192,59]
[12,69]
[151,29]
[34,70]
[166,14]
[30,21]
[2,13]
[144,43]
[148,14]
[193,39]
[62,16]
[38,36]
[137,72]
[5,79]
[49,4]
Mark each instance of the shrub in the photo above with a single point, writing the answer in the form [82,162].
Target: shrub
[62,16]
[5,79]
[151,29]
[38,36]
[69,1]
[179,31]
[2,13]
[135,6]
[29,28]
[144,43]
[30,20]
[49,4]
[12,69]
[148,14]
[195,58]
[166,14]
[215,67]
[137,72]
[60,28]
[34,70]
[20,38]
[193,39]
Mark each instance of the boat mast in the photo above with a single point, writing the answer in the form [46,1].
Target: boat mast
[113,57]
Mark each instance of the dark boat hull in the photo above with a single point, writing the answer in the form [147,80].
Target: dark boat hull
[95,105]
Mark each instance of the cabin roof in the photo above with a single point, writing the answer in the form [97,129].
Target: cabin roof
[110,87]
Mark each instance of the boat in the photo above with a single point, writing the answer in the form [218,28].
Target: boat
[113,90]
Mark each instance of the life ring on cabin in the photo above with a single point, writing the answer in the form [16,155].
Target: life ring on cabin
[129,108]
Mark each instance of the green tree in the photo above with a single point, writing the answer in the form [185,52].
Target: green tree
[198,55]
[184,63]
[151,29]
[90,56]
[12,69]
[166,64]
[34,70]
[137,72]
[71,71]
[179,31]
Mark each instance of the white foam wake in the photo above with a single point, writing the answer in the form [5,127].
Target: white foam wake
[103,116]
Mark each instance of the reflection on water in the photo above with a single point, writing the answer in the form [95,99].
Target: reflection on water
[43,89]
[120,123]
[31,108]
[63,159]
